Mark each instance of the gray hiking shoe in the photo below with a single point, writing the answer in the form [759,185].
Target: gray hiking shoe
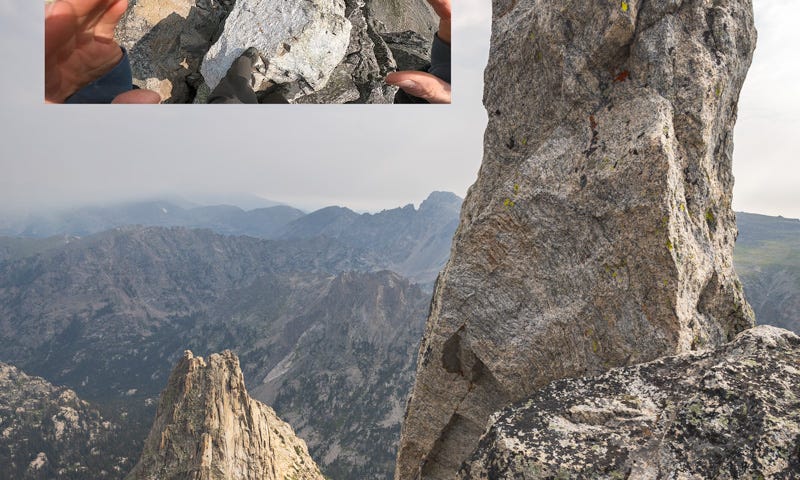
[258,75]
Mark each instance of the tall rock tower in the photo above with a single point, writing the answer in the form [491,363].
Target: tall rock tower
[208,428]
[599,232]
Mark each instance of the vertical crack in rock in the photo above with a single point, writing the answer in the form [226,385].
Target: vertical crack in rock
[599,232]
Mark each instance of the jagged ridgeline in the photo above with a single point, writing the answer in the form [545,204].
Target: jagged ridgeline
[599,232]
[330,348]
[322,51]
[208,428]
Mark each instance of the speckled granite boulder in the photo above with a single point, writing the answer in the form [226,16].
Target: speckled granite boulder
[303,41]
[599,232]
[733,412]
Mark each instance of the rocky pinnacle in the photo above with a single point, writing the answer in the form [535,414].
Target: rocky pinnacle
[208,428]
[599,232]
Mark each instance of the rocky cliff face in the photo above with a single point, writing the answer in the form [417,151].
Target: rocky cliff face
[599,232]
[47,432]
[733,412]
[318,51]
[332,355]
[207,427]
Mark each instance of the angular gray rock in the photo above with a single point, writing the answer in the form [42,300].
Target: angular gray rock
[303,40]
[319,51]
[599,232]
[411,51]
[359,77]
[733,412]
[207,427]
[402,15]
[166,41]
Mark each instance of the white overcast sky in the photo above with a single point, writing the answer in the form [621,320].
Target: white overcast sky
[364,157]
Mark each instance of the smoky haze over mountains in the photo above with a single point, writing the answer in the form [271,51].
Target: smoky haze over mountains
[412,242]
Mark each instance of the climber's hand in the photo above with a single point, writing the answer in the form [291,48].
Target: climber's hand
[442,8]
[422,85]
[79,44]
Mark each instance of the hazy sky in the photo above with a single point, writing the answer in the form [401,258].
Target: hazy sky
[364,157]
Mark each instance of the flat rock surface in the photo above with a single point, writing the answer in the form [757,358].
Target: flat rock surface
[733,412]
[599,232]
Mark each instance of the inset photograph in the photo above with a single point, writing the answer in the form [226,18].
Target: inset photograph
[248,51]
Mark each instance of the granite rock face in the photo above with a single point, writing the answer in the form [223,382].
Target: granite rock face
[402,15]
[334,356]
[207,427]
[166,41]
[599,232]
[733,412]
[367,60]
[303,41]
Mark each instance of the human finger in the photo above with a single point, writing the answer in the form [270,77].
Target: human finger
[59,27]
[89,9]
[108,21]
[422,85]
[137,97]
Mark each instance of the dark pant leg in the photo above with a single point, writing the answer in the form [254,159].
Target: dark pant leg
[235,86]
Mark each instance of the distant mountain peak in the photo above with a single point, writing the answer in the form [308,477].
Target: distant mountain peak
[441,199]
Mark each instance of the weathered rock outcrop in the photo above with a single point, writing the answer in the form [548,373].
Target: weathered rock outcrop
[319,51]
[47,432]
[367,60]
[733,412]
[599,232]
[166,41]
[402,15]
[207,427]
[301,41]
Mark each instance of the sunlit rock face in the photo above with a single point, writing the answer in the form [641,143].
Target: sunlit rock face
[208,428]
[166,41]
[599,232]
[302,40]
